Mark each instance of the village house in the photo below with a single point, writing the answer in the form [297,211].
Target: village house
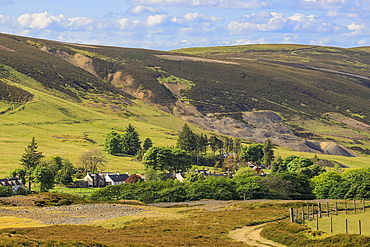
[95,179]
[14,183]
[116,179]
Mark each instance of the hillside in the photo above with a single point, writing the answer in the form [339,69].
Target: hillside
[71,95]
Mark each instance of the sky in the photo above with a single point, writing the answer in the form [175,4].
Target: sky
[174,24]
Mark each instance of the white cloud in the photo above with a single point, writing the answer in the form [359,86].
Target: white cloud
[123,23]
[4,19]
[262,21]
[81,23]
[249,42]
[140,9]
[154,20]
[195,17]
[227,4]
[355,29]
[321,41]
[39,20]
[362,42]
[270,22]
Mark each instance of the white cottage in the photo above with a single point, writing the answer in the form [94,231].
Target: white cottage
[115,179]
[14,183]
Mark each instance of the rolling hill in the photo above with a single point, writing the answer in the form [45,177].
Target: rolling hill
[308,98]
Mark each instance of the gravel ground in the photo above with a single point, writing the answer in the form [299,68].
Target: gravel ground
[214,205]
[88,213]
[76,214]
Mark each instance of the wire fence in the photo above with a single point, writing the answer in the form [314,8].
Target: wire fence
[333,217]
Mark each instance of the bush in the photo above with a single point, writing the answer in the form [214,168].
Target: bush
[21,191]
[6,191]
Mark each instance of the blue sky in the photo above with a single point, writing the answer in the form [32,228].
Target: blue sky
[174,24]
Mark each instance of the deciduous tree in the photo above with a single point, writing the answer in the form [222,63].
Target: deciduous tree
[92,160]
[113,142]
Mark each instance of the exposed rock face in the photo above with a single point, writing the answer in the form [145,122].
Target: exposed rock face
[78,59]
[267,124]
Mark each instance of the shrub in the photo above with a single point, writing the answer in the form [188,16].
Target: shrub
[6,191]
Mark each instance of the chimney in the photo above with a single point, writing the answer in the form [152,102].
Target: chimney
[127,173]
[117,172]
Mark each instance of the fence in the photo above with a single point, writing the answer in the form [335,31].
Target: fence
[346,209]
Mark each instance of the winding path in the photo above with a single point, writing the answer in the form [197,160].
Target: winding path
[251,236]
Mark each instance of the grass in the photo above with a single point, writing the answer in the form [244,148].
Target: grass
[352,162]
[68,133]
[339,223]
[14,222]
[166,227]
[82,192]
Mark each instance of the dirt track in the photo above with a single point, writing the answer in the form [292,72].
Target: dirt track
[251,236]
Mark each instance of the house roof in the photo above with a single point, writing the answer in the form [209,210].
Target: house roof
[118,177]
[10,182]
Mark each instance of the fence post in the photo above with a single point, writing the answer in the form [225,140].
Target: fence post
[346,227]
[327,208]
[308,212]
[363,204]
[317,222]
[313,211]
[354,206]
[345,205]
[302,215]
[359,226]
[331,224]
[336,208]
[291,215]
[319,208]
[296,215]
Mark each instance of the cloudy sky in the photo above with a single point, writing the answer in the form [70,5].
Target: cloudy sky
[173,24]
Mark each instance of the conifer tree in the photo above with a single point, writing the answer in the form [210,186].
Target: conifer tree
[268,153]
[30,160]
[187,139]
[131,143]
[147,144]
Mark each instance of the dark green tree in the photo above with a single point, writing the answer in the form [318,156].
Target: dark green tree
[268,153]
[220,146]
[113,142]
[277,165]
[180,161]
[30,160]
[44,177]
[65,173]
[187,139]
[147,144]
[167,159]
[131,143]
[252,153]
[237,146]
[213,140]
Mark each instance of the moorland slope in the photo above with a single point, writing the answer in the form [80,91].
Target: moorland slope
[307,98]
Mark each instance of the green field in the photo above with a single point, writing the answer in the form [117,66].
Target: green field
[70,132]
[339,220]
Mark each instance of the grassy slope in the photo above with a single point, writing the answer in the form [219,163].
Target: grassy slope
[61,133]
[62,128]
